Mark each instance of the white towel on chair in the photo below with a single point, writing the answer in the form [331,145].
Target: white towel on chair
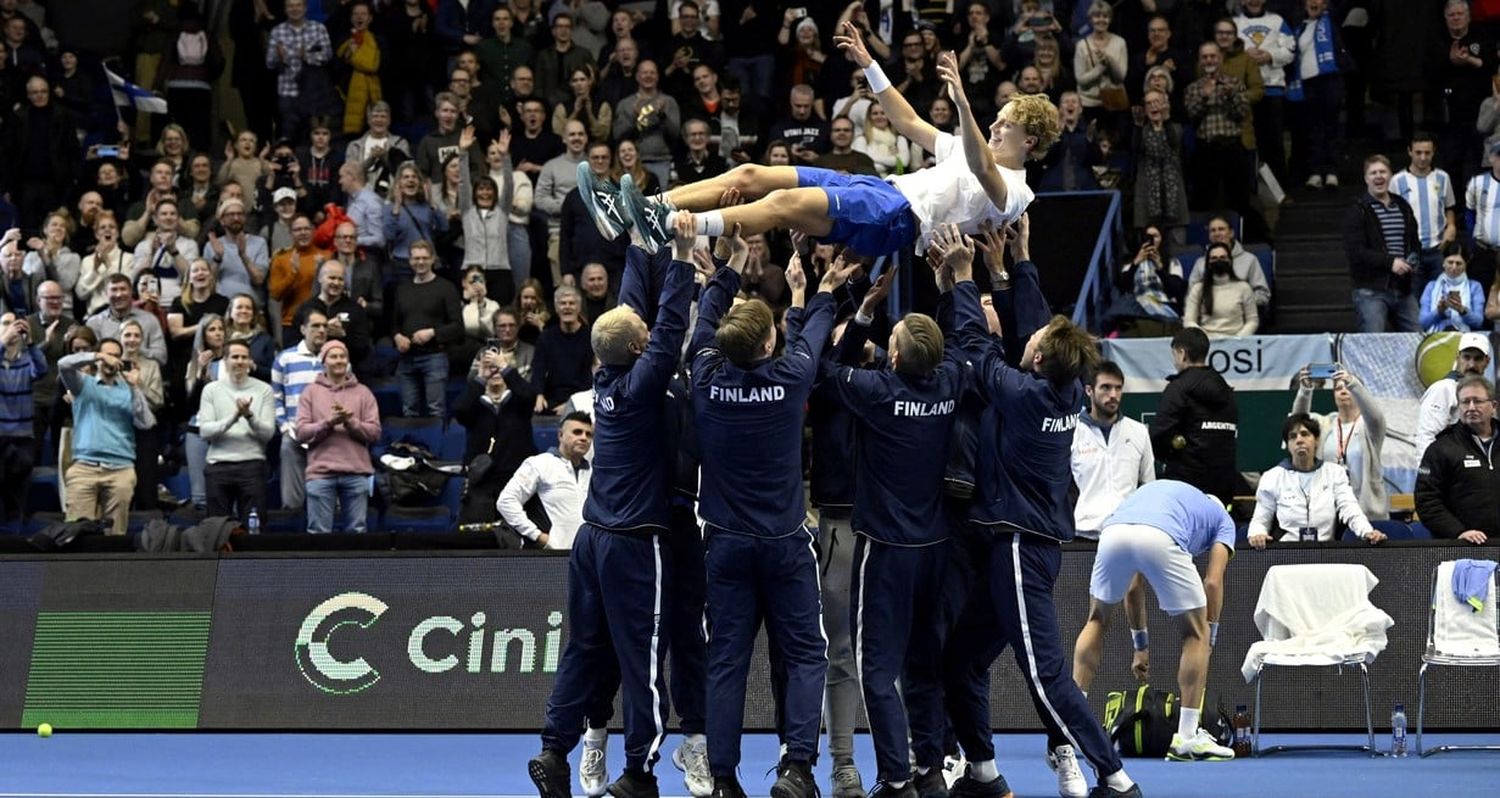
[1316,615]
[1457,630]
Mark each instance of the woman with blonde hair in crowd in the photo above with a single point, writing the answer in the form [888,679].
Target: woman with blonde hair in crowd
[890,150]
[49,255]
[532,304]
[1352,436]
[147,441]
[108,258]
[202,368]
[247,322]
[628,157]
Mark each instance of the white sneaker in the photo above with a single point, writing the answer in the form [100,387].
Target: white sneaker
[1330,181]
[953,768]
[593,775]
[1064,763]
[1314,181]
[1201,747]
[691,757]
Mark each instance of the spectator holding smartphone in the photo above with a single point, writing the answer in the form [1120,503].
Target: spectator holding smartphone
[1453,302]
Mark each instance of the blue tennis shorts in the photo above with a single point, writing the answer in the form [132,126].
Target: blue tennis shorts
[869,214]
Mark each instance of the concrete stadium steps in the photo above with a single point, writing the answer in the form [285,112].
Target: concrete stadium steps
[1312,275]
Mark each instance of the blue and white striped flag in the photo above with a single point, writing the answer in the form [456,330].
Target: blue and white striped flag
[128,94]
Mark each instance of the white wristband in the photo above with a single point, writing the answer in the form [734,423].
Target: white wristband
[876,77]
[861,319]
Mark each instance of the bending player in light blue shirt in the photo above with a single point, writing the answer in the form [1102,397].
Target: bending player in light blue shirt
[1155,534]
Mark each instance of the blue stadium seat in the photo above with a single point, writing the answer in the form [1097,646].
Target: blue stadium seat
[283,522]
[1267,258]
[138,521]
[455,438]
[456,388]
[180,484]
[1420,532]
[544,432]
[1241,535]
[1395,530]
[426,520]
[41,496]
[49,449]
[427,431]
[387,396]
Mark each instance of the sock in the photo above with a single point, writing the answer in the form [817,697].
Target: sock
[984,771]
[922,771]
[710,223]
[897,784]
[596,735]
[1187,722]
[1118,781]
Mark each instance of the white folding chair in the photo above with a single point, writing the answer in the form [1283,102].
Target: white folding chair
[1457,636]
[1312,616]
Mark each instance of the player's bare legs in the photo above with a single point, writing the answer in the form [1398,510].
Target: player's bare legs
[1192,669]
[752,181]
[802,209]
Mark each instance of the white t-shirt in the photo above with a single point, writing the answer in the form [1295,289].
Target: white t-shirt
[949,193]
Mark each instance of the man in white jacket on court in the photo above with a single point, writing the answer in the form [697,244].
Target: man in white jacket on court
[1111,452]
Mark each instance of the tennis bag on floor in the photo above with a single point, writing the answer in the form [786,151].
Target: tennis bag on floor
[1141,721]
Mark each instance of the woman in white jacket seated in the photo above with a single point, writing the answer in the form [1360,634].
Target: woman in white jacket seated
[1304,492]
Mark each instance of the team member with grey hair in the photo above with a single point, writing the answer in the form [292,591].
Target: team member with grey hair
[564,362]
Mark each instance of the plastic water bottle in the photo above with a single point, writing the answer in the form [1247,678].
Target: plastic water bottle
[254,522]
[1398,730]
[1241,731]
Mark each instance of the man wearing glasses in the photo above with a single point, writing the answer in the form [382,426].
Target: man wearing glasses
[1458,488]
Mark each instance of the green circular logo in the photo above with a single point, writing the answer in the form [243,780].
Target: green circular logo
[1435,356]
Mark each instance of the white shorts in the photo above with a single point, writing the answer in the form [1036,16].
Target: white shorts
[1128,549]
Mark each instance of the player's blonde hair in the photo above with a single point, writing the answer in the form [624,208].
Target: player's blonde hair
[1036,114]
[614,332]
[1068,351]
[919,341]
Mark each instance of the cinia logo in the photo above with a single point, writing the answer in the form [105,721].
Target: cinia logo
[437,644]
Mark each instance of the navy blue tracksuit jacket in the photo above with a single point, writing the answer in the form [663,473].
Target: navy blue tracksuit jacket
[759,557]
[618,579]
[1020,502]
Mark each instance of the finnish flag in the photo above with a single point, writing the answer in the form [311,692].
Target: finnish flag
[129,94]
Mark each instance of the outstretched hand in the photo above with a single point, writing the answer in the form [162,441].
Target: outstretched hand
[947,71]
[992,243]
[796,276]
[703,266]
[739,251]
[685,236]
[879,291]
[957,250]
[837,274]
[852,43]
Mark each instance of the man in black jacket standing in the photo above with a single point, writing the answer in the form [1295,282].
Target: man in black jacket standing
[1380,240]
[1197,421]
[1458,489]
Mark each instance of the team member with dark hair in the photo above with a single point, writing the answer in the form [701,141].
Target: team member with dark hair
[1197,420]
[1021,506]
[617,585]
[759,556]
[900,537]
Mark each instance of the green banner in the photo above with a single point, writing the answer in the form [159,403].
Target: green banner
[117,670]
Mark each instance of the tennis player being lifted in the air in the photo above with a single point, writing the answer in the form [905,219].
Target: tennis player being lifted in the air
[973,181]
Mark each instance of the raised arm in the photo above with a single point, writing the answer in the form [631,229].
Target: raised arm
[903,117]
[976,149]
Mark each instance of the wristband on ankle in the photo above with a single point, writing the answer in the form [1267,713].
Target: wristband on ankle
[876,77]
[1140,639]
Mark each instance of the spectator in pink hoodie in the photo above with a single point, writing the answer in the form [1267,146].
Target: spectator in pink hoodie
[338,420]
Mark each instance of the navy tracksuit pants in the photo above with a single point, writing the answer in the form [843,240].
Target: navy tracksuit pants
[897,640]
[617,586]
[1019,613]
[775,580]
[689,650]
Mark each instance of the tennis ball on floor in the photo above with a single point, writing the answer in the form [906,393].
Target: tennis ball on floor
[44,730]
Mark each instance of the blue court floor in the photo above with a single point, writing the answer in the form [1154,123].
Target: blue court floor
[190,765]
